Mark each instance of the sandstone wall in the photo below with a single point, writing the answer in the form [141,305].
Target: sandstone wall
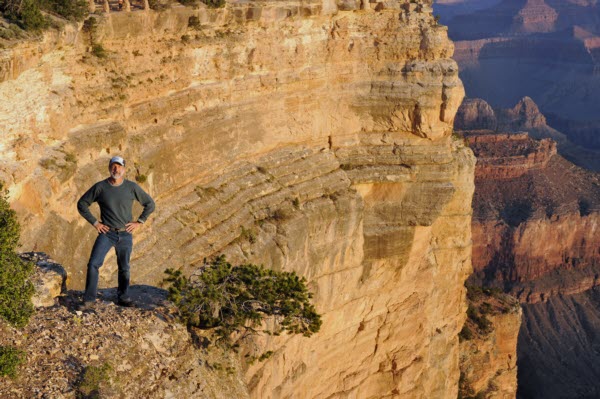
[296,135]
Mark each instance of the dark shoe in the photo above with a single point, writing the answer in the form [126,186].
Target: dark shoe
[86,305]
[126,302]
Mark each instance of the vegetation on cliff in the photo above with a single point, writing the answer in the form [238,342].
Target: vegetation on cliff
[483,302]
[15,288]
[233,301]
[34,14]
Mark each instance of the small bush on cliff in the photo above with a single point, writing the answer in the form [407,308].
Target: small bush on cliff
[92,381]
[233,301]
[15,288]
[10,359]
[29,14]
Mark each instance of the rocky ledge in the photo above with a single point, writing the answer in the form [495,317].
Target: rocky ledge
[145,353]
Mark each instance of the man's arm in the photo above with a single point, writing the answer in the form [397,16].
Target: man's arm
[143,198]
[146,201]
[83,205]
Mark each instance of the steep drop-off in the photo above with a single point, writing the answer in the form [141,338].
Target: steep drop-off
[312,137]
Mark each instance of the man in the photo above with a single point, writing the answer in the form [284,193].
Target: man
[115,197]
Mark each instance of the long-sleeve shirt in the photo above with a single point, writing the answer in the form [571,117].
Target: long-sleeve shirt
[115,203]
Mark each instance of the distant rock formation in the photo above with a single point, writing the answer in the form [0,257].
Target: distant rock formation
[548,50]
[536,220]
[475,114]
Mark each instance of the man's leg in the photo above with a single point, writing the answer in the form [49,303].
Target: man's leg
[123,249]
[101,247]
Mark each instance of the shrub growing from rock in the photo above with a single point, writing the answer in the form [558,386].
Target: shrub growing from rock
[233,301]
[94,377]
[28,13]
[15,287]
[10,359]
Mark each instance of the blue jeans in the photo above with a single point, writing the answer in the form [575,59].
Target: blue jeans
[122,241]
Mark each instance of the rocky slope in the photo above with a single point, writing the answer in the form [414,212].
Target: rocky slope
[545,49]
[558,347]
[148,354]
[309,136]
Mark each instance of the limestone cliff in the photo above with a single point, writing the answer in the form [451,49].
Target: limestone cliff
[311,136]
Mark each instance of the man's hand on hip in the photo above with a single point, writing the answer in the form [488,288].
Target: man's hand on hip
[131,226]
[102,228]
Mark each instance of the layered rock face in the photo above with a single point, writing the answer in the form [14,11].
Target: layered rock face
[309,137]
[536,217]
[545,49]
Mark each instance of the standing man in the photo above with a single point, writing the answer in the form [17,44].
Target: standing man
[115,197]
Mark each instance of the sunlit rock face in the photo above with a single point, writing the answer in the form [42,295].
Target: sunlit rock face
[313,137]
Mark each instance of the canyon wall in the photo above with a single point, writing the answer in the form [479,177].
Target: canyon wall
[536,219]
[535,235]
[305,136]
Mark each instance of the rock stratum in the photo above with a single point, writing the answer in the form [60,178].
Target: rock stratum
[312,137]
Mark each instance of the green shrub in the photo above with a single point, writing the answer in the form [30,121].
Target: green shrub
[248,234]
[99,51]
[10,359]
[214,3]
[28,13]
[31,17]
[15,288]
[74,10]
[141,178]
[194,23]
[236,299]
[93,379]
[465,334]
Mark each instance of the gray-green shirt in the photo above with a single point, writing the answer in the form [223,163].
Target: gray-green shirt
[115,203]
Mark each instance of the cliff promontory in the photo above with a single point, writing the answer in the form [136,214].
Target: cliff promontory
[306,136]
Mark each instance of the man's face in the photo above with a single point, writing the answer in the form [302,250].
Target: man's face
[117,171]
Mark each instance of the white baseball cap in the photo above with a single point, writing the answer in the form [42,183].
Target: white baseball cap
[118,160]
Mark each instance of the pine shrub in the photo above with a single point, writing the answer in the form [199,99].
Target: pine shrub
[10,359]
[15,288]
[233,301]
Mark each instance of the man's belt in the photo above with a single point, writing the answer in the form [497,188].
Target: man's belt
[117,230]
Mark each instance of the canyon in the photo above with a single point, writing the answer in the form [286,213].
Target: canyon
[535,236]
[313,137]
[543,49]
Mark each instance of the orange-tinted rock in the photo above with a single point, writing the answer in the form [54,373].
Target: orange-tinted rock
[535,217]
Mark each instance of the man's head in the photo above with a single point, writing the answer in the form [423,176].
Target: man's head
[116,167]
